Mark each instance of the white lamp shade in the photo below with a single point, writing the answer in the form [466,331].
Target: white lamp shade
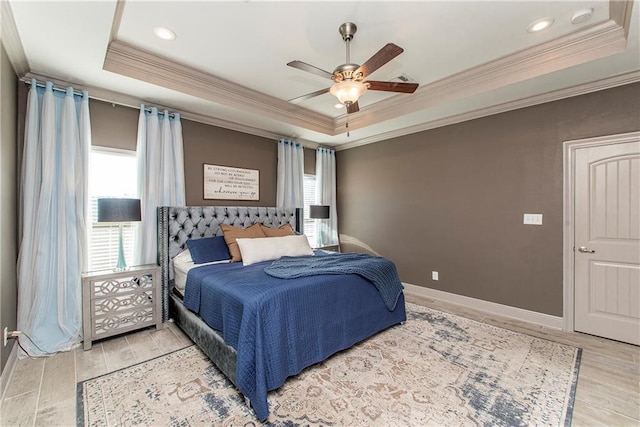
[348,91]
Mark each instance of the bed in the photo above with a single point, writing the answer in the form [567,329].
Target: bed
[260,331]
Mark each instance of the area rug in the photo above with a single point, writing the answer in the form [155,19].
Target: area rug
[435,369]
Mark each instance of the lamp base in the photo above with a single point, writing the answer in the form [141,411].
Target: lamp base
[122,264]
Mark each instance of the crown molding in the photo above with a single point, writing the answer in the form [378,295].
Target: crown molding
[620,12]
[130,61]
[588,44]
[117,19]
[203,118]
[118,98]
[608,83]
[11,40]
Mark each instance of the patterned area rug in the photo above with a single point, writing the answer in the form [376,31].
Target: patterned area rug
[436,369]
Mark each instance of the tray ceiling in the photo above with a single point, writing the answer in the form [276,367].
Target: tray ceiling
[227,65]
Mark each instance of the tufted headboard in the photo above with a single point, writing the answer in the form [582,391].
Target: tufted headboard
[176,225]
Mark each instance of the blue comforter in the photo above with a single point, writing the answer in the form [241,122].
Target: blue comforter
[279,327]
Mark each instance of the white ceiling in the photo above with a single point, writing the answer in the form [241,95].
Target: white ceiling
[228,64]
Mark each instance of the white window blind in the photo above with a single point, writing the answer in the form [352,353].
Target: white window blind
[111,174]
[310,199]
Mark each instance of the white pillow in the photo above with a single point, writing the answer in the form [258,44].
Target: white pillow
[270,248]
[183,257]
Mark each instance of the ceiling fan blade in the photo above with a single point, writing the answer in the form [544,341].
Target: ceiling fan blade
[310,68]
[353,108]
[308,96]
[384,55]
[392,86]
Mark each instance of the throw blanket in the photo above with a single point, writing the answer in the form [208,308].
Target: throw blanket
[379,271]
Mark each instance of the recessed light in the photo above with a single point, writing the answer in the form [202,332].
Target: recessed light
[540,25]
[164,33]
[581,16]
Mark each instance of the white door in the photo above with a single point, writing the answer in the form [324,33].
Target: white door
[607,241]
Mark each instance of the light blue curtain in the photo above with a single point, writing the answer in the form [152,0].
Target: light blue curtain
[327,229]
[160,175]
[53,213]
[290,179]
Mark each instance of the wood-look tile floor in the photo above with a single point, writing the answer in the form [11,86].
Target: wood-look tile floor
[42,391]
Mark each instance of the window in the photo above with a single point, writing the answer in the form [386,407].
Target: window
[112,173]
[310,199]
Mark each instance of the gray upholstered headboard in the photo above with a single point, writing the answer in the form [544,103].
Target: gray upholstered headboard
[176,225]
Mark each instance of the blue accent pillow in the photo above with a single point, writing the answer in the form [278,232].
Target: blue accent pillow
[208,249]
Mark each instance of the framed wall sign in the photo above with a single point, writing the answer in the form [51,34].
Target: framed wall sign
[227,183]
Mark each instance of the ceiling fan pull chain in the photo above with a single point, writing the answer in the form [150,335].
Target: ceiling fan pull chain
[347,126]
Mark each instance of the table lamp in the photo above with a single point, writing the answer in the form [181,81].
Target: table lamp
[319,211]
[119,210]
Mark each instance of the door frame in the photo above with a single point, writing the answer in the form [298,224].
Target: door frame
[568,197]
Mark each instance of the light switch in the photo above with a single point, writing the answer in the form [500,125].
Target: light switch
[532,219]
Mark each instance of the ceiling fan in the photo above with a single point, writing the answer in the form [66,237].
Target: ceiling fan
[349,79]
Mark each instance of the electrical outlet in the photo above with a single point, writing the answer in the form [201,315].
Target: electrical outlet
[9,335]
[434,275]
[532,219]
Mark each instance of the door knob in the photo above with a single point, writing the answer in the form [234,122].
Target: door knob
[584,250]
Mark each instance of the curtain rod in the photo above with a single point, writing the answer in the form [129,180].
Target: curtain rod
[150,109]
[53,87]
[28,81]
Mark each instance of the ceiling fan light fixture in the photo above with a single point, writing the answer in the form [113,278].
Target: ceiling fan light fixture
[348,91]
[350,79]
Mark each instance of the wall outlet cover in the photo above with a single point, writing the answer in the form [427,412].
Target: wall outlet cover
[532,219]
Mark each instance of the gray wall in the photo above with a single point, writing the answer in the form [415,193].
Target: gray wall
[216,146]
[113,126]
[8,201]
[309,161]
[451,199]
[116,127]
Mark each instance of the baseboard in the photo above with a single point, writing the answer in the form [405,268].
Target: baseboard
[541,319]
[7,372]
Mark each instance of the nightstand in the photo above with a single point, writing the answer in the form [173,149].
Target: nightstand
[114,302]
